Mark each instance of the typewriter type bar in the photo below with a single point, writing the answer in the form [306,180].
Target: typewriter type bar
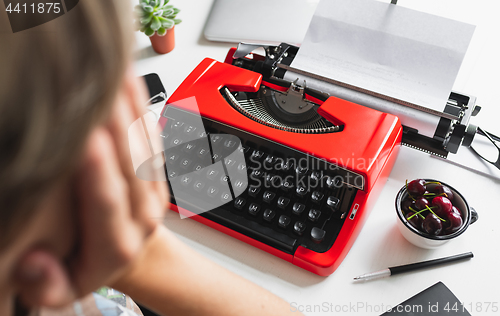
[452,131]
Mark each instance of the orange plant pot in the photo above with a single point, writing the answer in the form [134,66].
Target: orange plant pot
[163,44]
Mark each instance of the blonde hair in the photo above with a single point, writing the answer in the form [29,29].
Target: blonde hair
[57,81]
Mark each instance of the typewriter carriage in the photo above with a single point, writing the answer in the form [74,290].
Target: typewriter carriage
[449,135]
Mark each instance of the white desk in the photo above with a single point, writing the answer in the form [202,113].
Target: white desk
[380,244]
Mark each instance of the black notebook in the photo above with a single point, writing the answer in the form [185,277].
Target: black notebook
[435,300]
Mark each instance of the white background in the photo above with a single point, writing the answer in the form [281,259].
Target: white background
[380,244]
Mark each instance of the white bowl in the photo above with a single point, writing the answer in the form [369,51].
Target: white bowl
[424,240]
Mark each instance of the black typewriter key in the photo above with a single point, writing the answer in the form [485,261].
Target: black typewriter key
[283,202]
[215,139]
[189,129]
[198,168]
[254,209]
[301,171]
[256,155]
[301,191]
[242,168]
[298,208]
[334,182]
[188,148]
[186,163]
[164,136]
[201,133]
[225,197]
[176,141]
[230,144]
[269,161]
[273,180]
[224,179]
[333,202]
[172,174]
[317,196]
[203,152]
[288,165]
[256,174]
[314,215]
[176,126]
[229,162]
[239,186]
[286,185]
[269,215]
[198,185]
[299,228]
[315,178]
[186,180]
[317,234]
[239,203]
[216,157]
[268,196]
[172,158]
[212,191]
[284,221]
[246,149]
[253,190]
[212,173]
[316,175]
[279,163]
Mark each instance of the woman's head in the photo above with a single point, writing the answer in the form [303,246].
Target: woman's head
[56,81]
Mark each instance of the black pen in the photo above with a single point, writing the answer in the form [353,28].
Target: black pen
[412,267]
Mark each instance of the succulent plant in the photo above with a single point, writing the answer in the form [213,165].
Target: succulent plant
[156,16]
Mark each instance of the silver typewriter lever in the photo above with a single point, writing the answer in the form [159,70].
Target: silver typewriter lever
[293,100]
[244,49]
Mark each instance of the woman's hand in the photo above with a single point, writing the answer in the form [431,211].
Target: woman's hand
[116,211]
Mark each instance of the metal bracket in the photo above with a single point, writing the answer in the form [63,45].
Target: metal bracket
[293,100]
[244,49]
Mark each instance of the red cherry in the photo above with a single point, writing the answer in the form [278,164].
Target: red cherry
[442,206]
[421,203]
[456,210]
[406,204]
[440,189]
[415,221]
[416,187]
[453,222]
[432,225]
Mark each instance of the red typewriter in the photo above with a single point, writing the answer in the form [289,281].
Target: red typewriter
[273,163]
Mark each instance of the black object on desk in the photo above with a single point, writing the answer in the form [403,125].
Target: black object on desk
[430,263]
[413,266]
[155,87]
[435,300]
[494,160]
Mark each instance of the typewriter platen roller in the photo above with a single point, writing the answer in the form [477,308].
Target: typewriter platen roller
[300,182]
[452,131]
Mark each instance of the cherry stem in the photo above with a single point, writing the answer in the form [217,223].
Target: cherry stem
[434,194]
[434,213]
[409,191]
[416,213]
[432,182]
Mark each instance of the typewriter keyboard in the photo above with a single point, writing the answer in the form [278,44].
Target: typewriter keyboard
[269,192]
